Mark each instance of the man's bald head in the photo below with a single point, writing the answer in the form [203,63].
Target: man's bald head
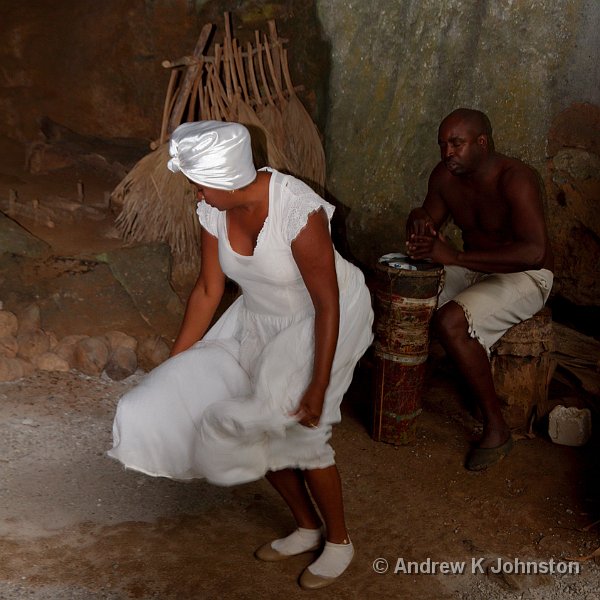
[477,121]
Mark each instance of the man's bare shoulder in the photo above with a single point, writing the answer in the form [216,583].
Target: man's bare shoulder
[440,175]
[512,170]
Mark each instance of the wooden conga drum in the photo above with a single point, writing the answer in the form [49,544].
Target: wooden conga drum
[406,294]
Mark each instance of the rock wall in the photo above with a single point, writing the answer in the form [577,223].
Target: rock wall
[572,180]
[95,67]
[399,67]
[379,76]
[91,66]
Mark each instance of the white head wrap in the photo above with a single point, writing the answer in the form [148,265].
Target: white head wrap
[216,154]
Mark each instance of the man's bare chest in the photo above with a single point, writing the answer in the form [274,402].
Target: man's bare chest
[483,211]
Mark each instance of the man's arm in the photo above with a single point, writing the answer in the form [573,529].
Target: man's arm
[427,219]
[528,248]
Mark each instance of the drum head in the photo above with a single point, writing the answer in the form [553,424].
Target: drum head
[397,260]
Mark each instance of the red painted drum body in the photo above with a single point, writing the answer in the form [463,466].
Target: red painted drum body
[406,294]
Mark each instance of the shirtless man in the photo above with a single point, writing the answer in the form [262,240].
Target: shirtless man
[502,276]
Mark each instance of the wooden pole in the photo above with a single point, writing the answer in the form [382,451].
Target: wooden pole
[188,79]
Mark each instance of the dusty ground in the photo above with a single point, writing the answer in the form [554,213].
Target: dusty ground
[75,525]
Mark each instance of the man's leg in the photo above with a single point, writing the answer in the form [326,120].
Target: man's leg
[471,360]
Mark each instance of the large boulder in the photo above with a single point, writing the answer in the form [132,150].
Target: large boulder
[15,239]
[144,272]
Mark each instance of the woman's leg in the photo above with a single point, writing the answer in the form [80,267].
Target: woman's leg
[292,488]
[326,489]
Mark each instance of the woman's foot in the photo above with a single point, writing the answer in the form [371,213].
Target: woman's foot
[332,563]
[299,541]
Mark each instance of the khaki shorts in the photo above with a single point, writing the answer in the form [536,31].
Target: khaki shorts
[494,302]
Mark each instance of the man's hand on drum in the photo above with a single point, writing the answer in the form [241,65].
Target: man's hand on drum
[433,247]
[419,223]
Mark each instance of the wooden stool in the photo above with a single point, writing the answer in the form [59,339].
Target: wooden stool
[522,367]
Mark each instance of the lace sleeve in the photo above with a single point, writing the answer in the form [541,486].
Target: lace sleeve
[302,202]
[208,216]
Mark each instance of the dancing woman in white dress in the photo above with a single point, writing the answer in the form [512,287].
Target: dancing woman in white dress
[256,394]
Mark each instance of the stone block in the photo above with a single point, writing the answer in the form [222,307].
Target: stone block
[9,324]
[144,272]
[30,319]
[118,339]
[8,346]
[122,363]
[570,426]
[91,355]
[32,343]
[151,352]
[49,361]
[66,348]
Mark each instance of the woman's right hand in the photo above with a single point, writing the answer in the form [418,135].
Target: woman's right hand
[310,407]
[204,298]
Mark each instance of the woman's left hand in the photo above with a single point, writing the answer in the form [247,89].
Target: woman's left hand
[310,408]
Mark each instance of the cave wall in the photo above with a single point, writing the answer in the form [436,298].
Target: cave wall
[95,67]
[91,66]
[379,76]
[399,67]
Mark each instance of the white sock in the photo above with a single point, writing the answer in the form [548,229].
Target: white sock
[298,541]
[334,560]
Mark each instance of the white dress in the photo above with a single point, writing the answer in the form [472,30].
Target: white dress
[221,409]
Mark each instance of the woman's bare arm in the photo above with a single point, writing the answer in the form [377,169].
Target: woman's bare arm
[204,298]
[314,254]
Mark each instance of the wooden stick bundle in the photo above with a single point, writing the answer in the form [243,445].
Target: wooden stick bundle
[249,84]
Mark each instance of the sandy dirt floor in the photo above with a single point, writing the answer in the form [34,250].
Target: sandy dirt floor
[75,525]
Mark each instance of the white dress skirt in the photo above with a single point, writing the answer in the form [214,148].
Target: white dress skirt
[221,410]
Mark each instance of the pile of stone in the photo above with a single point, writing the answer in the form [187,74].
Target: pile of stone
[25,347]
